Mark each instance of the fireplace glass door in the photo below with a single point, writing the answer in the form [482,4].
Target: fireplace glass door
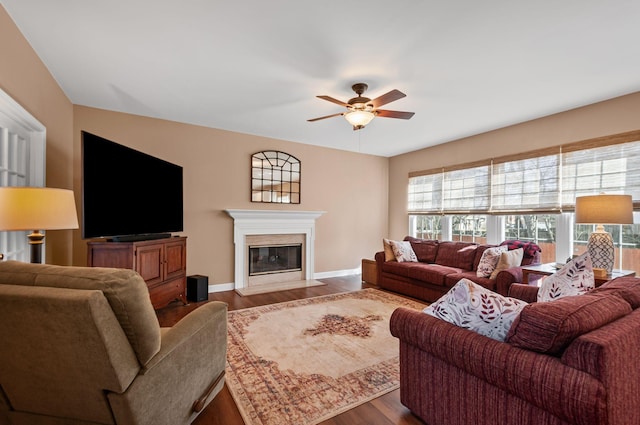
[274,259]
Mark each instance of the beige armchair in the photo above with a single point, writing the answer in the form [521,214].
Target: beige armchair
[83,345]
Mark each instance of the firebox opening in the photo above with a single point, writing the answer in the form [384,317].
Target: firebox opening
[274,259]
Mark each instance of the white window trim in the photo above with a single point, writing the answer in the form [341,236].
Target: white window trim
[17,120]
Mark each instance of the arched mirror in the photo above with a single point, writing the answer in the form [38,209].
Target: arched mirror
[275,177]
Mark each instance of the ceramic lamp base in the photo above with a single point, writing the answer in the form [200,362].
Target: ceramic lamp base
[601,250]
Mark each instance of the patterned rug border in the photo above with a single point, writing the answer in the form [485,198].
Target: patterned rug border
[239,393]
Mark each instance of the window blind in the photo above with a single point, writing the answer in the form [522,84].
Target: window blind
[425,193]
[613,169]
[548,180]
[526,185]
[466,190]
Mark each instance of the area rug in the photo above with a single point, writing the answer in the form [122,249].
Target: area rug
[304,361]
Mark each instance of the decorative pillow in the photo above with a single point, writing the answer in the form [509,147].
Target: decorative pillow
[476,308]
[403,251]
[388,251]
[425,249]
[574,278]
[489,260]
[507,260]
[550,327]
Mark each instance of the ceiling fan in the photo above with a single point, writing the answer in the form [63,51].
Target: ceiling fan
[361,110]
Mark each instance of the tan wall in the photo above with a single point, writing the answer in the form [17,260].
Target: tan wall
[600,119]
[350,187]
[24,77]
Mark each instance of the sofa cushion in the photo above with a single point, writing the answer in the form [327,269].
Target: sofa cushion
[507,260]
[627,287]
[425,249]
[550,327]
[399,269]
[403,251]
[574,278]
[125,290]
[470,306]
[456,254]
[435,274]
[489,260]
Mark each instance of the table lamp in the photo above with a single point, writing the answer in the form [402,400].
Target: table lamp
[36,209]
[603,209]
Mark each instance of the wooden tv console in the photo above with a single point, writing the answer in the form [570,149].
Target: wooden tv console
[162,263]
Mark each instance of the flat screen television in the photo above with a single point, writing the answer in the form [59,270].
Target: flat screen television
[127,194]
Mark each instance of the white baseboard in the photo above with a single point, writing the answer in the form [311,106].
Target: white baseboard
[221,287]
[337,273]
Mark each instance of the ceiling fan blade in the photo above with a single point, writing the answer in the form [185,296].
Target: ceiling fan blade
[387,98]
[328,116]
[331,99]
[394,114]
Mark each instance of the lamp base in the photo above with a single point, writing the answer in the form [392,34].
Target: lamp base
[601,250]
[36,239]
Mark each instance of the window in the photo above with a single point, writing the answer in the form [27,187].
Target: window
[540,229]
[22,163]
[469,228]
[426,227]
[531,197]
[626,242]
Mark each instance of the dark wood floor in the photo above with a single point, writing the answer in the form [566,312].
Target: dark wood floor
[384,410]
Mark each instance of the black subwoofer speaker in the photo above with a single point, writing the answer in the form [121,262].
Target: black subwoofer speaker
[197,288]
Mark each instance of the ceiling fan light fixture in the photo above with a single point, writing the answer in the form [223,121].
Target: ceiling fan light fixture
[358,118]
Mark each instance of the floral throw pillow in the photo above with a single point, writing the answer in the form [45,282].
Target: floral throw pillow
[574,278]
[478,309]
[403,251]
[489,260]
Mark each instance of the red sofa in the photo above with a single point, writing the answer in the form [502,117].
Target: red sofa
[442,264]
[569,361]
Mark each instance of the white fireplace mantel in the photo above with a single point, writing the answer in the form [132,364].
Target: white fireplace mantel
[272,222]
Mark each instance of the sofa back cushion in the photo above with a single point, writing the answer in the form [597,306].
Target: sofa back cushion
[549,327]
[456,254]
[125,290]
[425,249]
[627,287]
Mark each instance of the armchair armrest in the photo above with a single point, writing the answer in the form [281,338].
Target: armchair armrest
[192,356]
[514,370]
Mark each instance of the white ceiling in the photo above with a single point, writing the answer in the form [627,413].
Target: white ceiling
[255,66]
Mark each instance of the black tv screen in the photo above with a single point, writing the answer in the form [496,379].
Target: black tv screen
[127,194]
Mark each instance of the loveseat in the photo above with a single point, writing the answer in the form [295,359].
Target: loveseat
[441,264]
[82,345]
[569,361]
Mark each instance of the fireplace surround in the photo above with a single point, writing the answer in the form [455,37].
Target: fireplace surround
[286,228]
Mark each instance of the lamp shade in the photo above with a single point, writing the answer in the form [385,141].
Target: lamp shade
[37,208]
[604,209]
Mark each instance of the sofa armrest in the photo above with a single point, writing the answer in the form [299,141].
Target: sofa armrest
[524,292]
[379,257]
[523,373]
[506,278]
[191,358]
